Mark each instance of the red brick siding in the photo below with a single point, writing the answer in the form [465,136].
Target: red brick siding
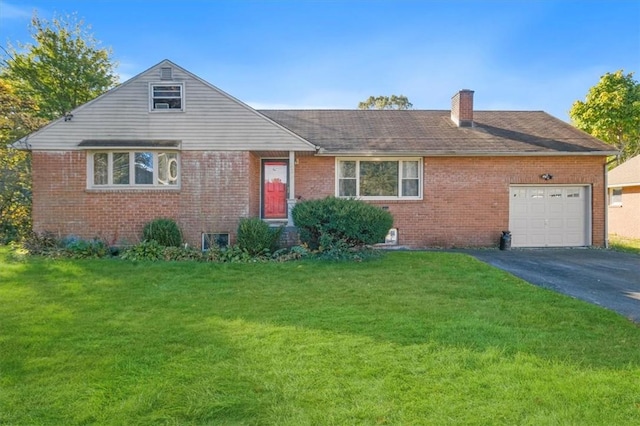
[466,199]
[254,185]
[625,220]
[214,194]
[315,177]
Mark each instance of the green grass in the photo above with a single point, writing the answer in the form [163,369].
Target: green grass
[629,245]
[412,338]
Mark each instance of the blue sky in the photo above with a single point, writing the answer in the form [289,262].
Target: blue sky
[520,55]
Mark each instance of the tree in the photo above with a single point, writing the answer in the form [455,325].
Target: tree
[611,112]
[41,82]
[63,69]
[386,102]
[16,120]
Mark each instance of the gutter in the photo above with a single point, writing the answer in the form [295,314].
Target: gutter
[325,153]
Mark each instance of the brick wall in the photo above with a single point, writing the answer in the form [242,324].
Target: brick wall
[625,220]
[215,193]
[466,199]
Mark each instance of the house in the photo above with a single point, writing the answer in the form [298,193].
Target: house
[169,144]
[624,199]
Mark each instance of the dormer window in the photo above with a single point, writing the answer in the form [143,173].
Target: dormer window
[167,97]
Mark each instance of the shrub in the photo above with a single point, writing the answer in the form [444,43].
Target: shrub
[235,254]
[338,224]
[82,249]
[146,250]
[257,237]
[182,253]
[40,243]
[163,231]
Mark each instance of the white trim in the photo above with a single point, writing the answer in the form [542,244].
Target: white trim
[181,84]
[623,185]
[399,197]
[610,199]
[289,165]
[131,185]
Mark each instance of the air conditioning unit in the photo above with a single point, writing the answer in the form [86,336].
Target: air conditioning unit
[161,105]
[392,237]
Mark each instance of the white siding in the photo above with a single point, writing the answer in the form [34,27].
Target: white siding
[211,120]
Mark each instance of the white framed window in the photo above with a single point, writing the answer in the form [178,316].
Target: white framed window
[379,178]
[138,169]
[166,96]
[615,197]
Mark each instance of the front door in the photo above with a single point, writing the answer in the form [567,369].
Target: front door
[274,189]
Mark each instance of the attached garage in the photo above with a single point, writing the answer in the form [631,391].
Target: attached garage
[550,216]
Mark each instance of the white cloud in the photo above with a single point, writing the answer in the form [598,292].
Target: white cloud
[8,11]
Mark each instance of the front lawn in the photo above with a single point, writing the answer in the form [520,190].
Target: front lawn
[411,338]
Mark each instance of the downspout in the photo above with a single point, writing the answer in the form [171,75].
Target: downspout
[606,201]
[606,206]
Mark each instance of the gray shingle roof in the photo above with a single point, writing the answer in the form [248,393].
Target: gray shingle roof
[432,132]
[626,174]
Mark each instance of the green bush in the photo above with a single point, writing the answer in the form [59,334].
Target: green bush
[257,237]
[163,231]
[82,249]
[338,224]
[146,250]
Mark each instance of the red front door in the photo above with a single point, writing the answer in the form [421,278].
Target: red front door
[274,189]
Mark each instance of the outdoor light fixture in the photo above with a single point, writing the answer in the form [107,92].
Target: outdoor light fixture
[547,176]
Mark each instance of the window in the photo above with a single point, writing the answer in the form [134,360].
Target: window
[167,97]
[379,179]
[134,168]
[211,240]
[615,197]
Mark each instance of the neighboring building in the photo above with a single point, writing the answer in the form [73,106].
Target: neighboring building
[168,144]
[624,199]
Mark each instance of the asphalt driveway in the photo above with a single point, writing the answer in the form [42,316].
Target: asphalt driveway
[603,277]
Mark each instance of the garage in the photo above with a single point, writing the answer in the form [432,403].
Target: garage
[549,216]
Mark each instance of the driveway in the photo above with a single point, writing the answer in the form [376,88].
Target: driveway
[603,277]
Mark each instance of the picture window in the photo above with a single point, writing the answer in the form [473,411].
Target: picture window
[379,179]
[134,169]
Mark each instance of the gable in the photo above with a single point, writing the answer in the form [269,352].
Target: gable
[208,120]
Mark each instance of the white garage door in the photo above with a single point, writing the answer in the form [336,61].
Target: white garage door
[550,216]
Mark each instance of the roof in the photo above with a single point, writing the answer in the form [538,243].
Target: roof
[431,132]
[626,174]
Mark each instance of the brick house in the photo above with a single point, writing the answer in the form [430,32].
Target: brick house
[624,199]
[169,144]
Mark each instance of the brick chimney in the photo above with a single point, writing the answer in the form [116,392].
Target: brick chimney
[462,108]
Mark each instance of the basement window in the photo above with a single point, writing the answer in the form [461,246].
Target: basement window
[213,240]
